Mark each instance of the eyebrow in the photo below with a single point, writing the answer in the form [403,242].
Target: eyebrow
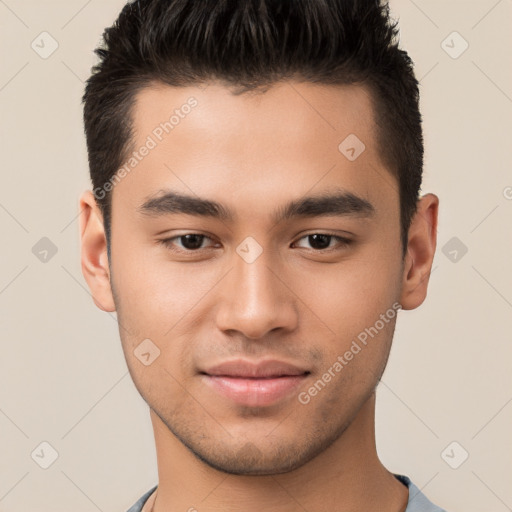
[337,203]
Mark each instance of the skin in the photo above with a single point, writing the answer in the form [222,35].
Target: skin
[254,153]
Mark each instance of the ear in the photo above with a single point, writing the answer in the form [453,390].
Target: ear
[94,252]
[421,248]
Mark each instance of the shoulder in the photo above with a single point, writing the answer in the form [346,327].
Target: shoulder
[418,502]
[137,507]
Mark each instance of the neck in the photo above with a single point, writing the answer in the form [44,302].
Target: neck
[346,476]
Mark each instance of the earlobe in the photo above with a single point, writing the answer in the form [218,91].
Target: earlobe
[94,258]
[420,252]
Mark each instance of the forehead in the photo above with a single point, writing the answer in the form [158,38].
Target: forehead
[294,111]
[291,139]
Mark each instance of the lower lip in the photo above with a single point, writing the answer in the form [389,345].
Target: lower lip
[254,392]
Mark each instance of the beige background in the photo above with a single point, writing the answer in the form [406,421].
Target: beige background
[63,378]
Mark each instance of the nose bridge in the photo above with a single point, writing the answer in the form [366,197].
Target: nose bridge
[255,301]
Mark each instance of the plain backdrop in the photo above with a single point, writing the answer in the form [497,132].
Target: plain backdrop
[444,408]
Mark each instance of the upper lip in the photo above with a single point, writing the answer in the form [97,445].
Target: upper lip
[245,368]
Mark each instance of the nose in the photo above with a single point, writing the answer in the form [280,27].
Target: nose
[255,300]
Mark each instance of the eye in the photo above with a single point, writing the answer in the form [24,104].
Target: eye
[194,242]
[188,242]
[322,241]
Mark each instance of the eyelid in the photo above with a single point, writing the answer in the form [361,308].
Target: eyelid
[342,241]
[166,242]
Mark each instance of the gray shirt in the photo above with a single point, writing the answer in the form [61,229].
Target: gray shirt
[418,502]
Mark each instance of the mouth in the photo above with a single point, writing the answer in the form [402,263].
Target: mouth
[254,385]
[254,391]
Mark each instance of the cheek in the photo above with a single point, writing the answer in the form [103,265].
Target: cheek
[156,293]
[166,303]
[354,306]
[346,297]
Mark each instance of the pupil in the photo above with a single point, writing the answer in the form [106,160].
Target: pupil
[195,241]
[192,241]
[319,241]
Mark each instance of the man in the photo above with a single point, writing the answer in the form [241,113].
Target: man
[255,223]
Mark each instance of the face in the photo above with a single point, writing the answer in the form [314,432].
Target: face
[299,260]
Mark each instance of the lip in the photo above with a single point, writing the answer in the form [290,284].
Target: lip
[248,369]
[254,384]
[258,392]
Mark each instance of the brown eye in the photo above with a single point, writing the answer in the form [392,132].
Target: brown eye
[319,241]
[189,242]
[322,241]
[192,241]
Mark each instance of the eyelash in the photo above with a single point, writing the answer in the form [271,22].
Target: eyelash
[168,242]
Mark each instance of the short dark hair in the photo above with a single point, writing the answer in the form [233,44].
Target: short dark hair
[249,45]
